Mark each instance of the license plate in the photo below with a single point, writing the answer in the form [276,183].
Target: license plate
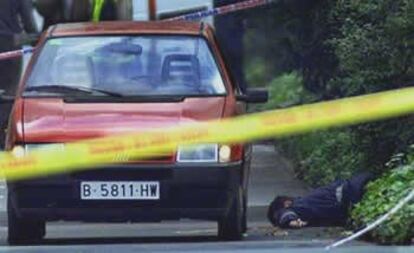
[120,190]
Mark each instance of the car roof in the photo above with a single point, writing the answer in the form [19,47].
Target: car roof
[126,27]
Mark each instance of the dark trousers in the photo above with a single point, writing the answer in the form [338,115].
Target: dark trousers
[354,188]
[230,33]
[10,71]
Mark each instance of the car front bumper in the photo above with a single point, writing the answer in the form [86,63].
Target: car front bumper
[196,191]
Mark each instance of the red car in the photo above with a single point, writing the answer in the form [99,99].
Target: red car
[92,80]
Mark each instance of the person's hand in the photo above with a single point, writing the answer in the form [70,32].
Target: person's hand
[297,223]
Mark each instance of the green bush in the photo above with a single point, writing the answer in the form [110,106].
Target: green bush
[285,90]
[374,45]
[256,73]
[382,195]
[322,157]
[335,157]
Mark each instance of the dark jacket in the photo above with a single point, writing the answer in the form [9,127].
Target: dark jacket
[328,205]
[108,11]
[10,10]
[230,33]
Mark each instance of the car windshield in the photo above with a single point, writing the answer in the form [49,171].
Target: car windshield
[127,66]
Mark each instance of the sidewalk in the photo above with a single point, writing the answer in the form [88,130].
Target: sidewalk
[271,175]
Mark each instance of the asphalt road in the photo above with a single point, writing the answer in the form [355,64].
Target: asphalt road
[271,174]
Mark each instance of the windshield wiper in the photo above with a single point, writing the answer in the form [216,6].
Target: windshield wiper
[72,88]
[127,99]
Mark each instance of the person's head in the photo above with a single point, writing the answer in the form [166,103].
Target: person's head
[278,204]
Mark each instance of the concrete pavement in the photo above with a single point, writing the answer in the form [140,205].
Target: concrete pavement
[271,174]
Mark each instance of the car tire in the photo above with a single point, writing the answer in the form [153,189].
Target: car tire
[230,227]
[22,230]
[246,176]
[244,217]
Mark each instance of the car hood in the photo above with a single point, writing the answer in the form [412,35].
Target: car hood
[53,120]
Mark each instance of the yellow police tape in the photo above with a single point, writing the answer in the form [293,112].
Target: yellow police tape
[92,153]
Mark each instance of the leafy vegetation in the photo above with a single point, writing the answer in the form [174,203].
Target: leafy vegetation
[382,195]
[318,155]
[285,90]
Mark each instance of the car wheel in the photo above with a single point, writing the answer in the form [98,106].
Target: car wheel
[22,230]
[230,227]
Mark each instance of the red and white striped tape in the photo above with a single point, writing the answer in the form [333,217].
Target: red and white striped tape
[248,4]
[15,54]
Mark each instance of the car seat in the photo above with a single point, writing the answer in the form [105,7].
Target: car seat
[183,69]
[72,70]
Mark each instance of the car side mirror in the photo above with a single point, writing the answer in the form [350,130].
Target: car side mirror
[255,95]
[5,99]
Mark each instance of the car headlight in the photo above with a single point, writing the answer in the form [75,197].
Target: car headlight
[198,153]
[224,153]
[32,147]
[208,153]
[20,151]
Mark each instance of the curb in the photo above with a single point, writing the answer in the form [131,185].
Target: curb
[3,218]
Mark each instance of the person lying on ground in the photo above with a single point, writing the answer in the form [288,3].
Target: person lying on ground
[324,206]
